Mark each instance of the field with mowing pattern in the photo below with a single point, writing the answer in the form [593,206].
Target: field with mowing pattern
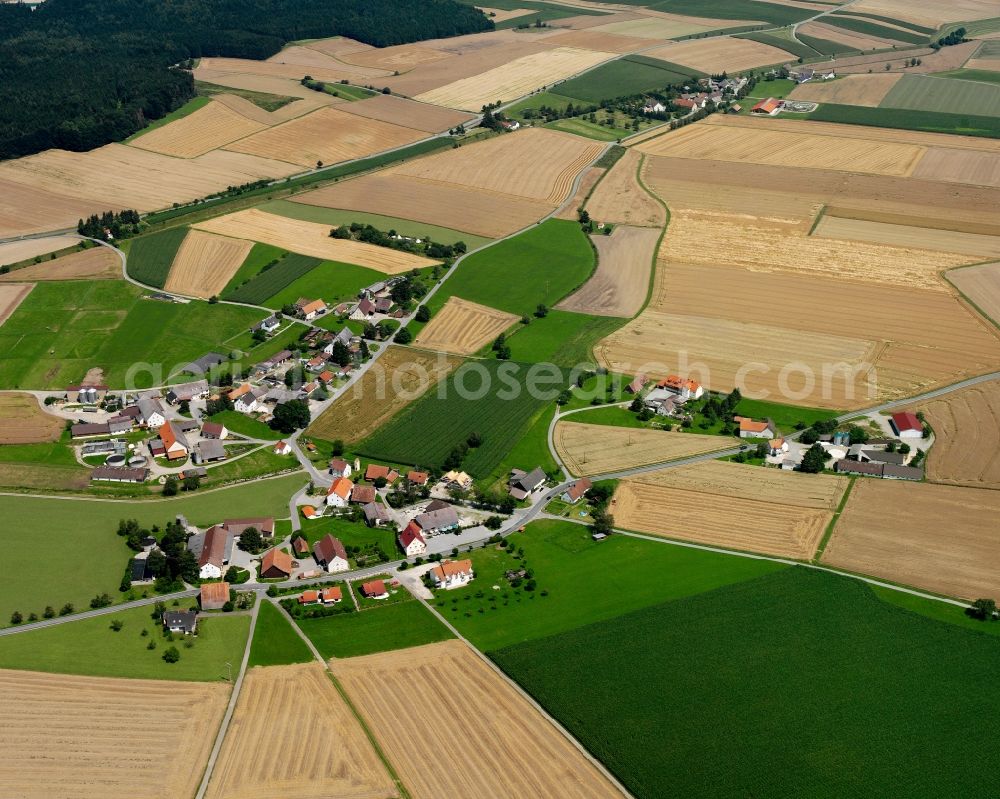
[22,421]
[463,328]
[205,263]
[966,427]
[207,129]
[269,282]
[620,198]
[150,257]
[96,263]
[981,284]
[927,93]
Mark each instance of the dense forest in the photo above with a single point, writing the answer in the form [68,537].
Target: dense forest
[77,74]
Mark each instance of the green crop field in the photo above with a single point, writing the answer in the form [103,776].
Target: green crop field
[397,626]
[799,683]
[981,75]
[561,337]
[62,329]
[931,121]
[260,255]
[590,130]
[330,281]
[872,29]
[794,47]
[891,20]
[779,87]
[264,285]
[623,77]
[188,108]
[405,227]
[585,581]
[150,257]
[246,425]
[490,398]
[91,647]
[825,46]
[541,265]
[925,93]
[531,450]
[275,641]
[733,9]
[66,531]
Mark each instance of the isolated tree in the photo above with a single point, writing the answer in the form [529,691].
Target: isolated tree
[603,522]
[857,435]
[983,609]
[291,416]
[380,482]
[117,624]
[403,336]
[541,310]
[338,447]
[252,541]
[16,617]
[814,460]
[340,354]
[170,486]
[423,314]
[171,654]
[49,612]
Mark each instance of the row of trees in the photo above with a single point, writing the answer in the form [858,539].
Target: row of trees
[369,234]
[120,224]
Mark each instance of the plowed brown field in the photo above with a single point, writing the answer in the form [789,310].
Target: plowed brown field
[731,505]
[619,198]
[395,380]
[327,135]
[619,285]
[311,238]
[463,327]
[204,263]
[208,128]
[82,737]
[495,743]
[721,54]
[966,427]
[939,538]
[590,449]
[22,421]
[324,753]
[960,166]
[866,90]
[981,284]
[11,296]
[97,263]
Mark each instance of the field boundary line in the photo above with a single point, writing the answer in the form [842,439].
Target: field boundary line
[819,218]
[828,533]
[602,769]
[231,708]
[659,241]
[979,312]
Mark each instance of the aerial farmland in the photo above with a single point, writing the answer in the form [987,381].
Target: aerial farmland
[405,399]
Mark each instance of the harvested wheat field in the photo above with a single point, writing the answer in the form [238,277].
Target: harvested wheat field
[928,12]
[721,54]
[665,27]
[514,79]
[393,382]
[319,64]
[328,71]
[770,146]
[495,744]
[327,135]
[966,428]
[600,41]
[535,164]
[81,737]
[205,262]
[735,506]
[25,210]
[277,86]
[96,263]
[940,538]
[117,175]
[14,251]
[462,327]
[592,449]
[401,58]
[571,208]
[981,284]
[324,752]
[406,113]
[621,199]
[22,421]
[311,238]
[866,90]
[848,38]
[444,204]
[619,285]
[12,295]
[960,166]
[208,128]
[909,237]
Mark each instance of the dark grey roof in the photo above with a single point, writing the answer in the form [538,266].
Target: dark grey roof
[437,519]
[204,363]
[211,449]
[859,467]
[529,481]
[185,619]
[375,512]
[894,472]
[880,456]
[119,474]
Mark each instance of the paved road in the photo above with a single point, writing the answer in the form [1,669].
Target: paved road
[233,698]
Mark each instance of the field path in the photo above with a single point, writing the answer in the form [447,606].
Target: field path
[224,727]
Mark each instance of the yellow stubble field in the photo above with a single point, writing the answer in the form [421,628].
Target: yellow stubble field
[324,753]
[621,199]
[981,284]
[97,263]
[208,128]
[83,736]
[405,696]
[721,54]
[966,428]
[865,90]
[12,295]
[462,327]
[22,421]
[205,262]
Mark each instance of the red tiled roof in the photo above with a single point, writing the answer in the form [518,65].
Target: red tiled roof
[277,559]
[341,487]
[375,471]
[906,420]
[374,588]
[417,478]
[308,596]
[214,593]
[334,594]
[410,533]
[363,494]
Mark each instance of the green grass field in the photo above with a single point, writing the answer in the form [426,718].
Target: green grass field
[91,647]
[259,256]
[490,398]
[351,534]
[732,9]
[330,281]
[269,102]
[264,285]
[980,75]
[586,582]
[150,256]
[541,265]
[536,101]
[275,642]
[70,533]
[825,46]
[891,20]
[779,88]
[405,227]
[245,425]
[589,130]
[926,93]
[189,107]
[561,337]
[775,39]
[800,683]
[62,329]
[623,77]
[259,463]
[786,417]
[873,29]
[531,450]
[931,121]
[383,629]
